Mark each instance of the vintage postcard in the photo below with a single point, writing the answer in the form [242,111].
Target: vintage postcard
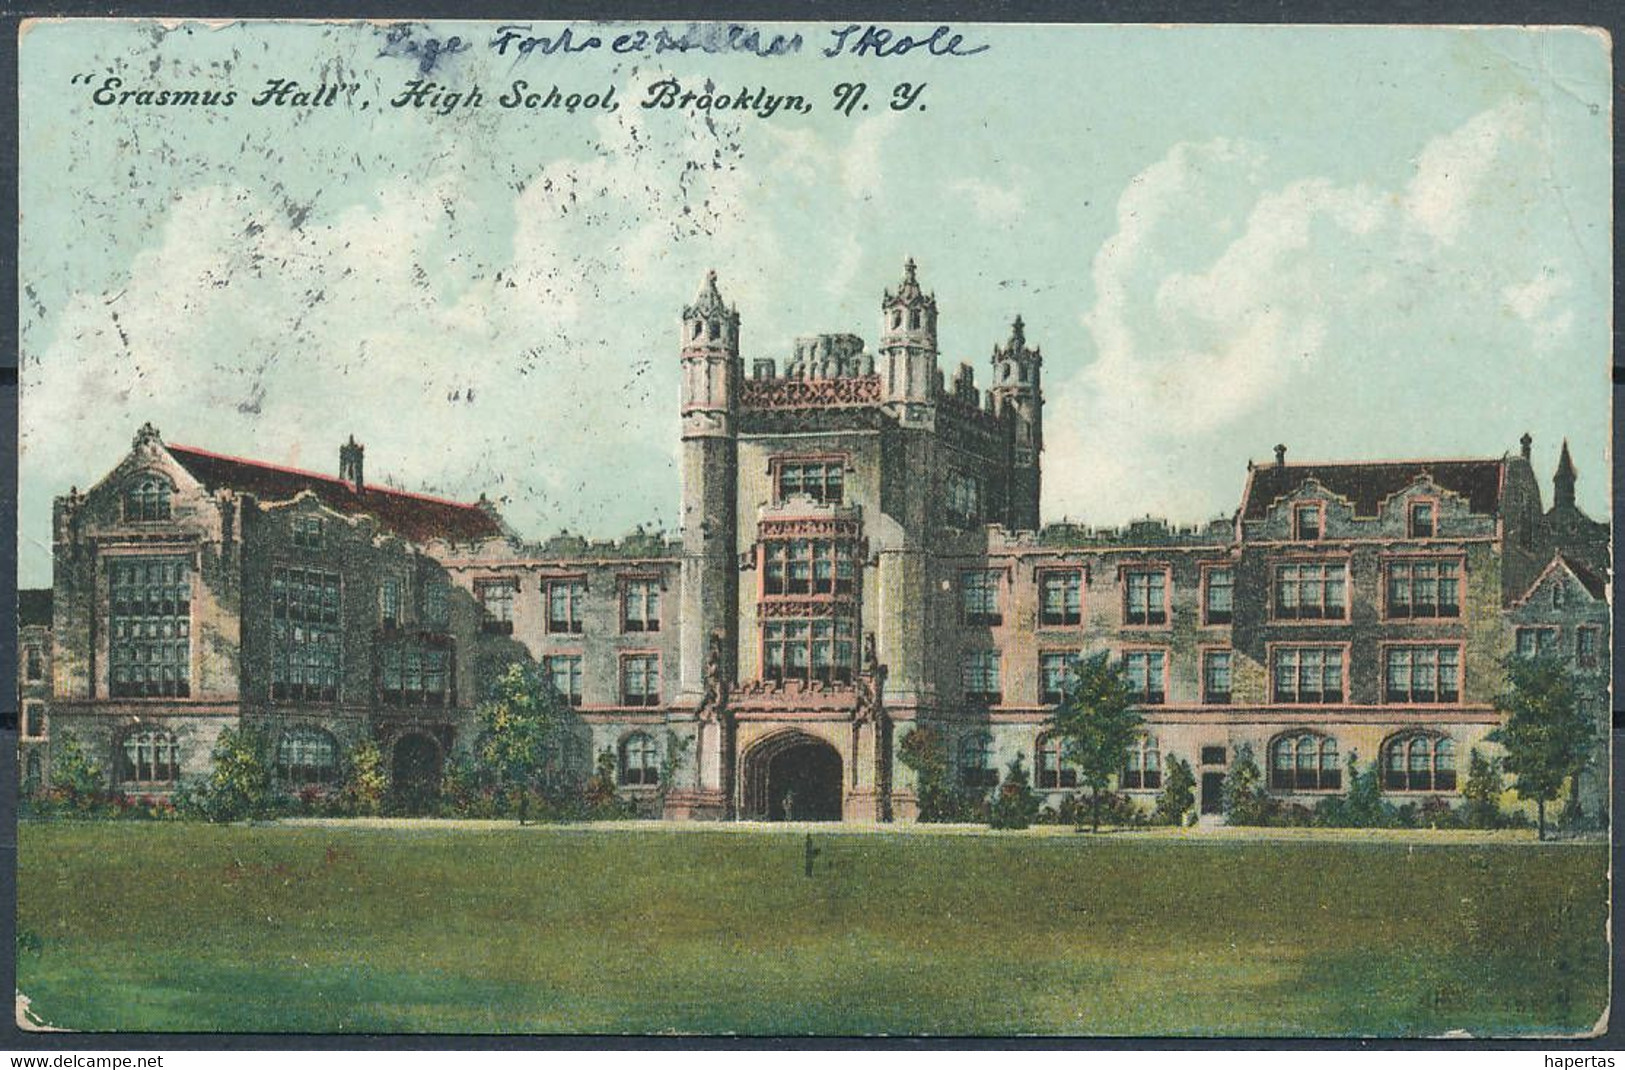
[814,529]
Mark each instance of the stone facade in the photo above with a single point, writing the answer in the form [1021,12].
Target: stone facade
[860,554]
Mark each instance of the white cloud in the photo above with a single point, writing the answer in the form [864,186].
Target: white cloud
[1206,333]
[990,201]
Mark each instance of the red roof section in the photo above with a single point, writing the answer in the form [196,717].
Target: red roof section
[1367,484]
[417,517]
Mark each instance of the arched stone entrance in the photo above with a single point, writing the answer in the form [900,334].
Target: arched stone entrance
[791,776]
[415,771]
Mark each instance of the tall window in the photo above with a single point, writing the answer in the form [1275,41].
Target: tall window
[640,605]
[979,597]
[1422,674]
[436,603]
[308,532]
[1308,674]
[1218,596]
[964,498]
[147,498]
[640,680]
[496,605]
[808,650]
[976,761]
[415,675]
[307,756]
[640,761]
[1421,520]
[807,566]
[822,481]
[1055,671]
[1423,589]
[1053,769]
[1145,596]
[565,672]
[1216,677]
[1311,591]
[1308,521]
[34,720]
[149,757]
[1060,597]
[150,627]
[979,677]
[1536,642]
[33,664]
[305,635]
[1143,768]
[1587,640]
[1144,671]
[1305,761]
[1420,762]
[389,601]
[566,601]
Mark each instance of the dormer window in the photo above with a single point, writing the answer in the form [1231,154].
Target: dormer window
[896,318]
[697,328]
[913,319]
[1421,520]
[308,532]
[147,499]
[1308,521]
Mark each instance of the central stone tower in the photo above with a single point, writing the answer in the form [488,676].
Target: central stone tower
[711,373]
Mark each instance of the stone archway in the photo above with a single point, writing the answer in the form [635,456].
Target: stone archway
[415,762]
[791,776]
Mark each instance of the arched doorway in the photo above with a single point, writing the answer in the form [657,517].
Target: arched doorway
[415,772]
[792,777]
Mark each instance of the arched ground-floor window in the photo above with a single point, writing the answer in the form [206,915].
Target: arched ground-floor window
[1305,761]
[640,763]
[1419,761]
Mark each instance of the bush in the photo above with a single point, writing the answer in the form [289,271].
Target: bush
[1244,798]
[238,787]
[940,800]
[1116,808]
[1015,804]
[1178,792]
[365,782]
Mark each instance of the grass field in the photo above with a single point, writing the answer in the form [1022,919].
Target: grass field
[189,927]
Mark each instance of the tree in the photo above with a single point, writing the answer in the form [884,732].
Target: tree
[1097,723]
[925,751]
[73,773]
[1243,796]
[1482,792]
[239,784]
[365,781]
[1178,791]
[526,727]
[1546,736]
[1015,804]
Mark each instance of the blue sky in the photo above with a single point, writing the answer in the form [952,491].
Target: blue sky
[1363,243]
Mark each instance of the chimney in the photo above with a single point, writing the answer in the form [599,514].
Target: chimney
[350,464]
[1526,442]
[1280,456]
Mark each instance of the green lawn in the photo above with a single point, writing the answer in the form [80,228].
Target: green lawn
[188,927]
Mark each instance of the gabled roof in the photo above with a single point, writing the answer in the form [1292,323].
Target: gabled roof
[1596,586]
[1367,484]
[416,517]
[34,607]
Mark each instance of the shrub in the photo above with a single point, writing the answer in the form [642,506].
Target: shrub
[365,782]
[1244,798]
[1178,792]
[1015,804]
[238,786]
[925,751]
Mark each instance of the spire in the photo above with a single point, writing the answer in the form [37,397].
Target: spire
[1018,334]
[1563,479]
[709,301]
[908,291]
